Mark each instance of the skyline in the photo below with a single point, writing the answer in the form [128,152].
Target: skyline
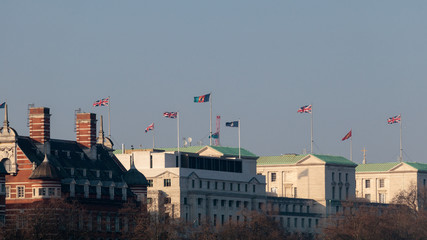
[357,63]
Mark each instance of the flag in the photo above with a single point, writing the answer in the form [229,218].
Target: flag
[204,98]
[347,136]
[150,127]
[232,124]
[2,105]
[215,135]
[102,102]
[305,109]
[395,119]
[170,114]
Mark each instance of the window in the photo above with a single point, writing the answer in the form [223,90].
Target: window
[368,196]
[51,191]
[3,188]
[382,183]
[216,185]
[166,182]
[238,187]
[346,193]
[346,177]
[246,187]
[231,186]
[117,224]
[185,201]
[302,222]
[295,222]
[151,161]
[245,204]
[215,202]
[42,191]
[253,188]
[308,209]
[295,192]
[333,177]
[273,177]
[200,201]
[340,193]
[222,203]
[367,183]
[230,203]
[168,200]
[309,222]
[7,191]
[288,222]
[99,222]
[333,192]
[222,219]
[209,185]
[238,204]
[381,197]
[20,191]
[214,220]
[200,219]
[200,184]
[150,182]
[108,224]
[339,177]
[223,186]
[176,162]
[192,183]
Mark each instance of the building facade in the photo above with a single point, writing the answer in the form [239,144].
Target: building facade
[325,179]
[83,171]
[381,182]
[200,184]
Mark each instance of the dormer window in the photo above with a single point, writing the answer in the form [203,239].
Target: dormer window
[86,190]
[110,174]
[72,171]
[68,154]
[112,192]
[124,194]
[97,173]
[72,189]
[98,191]
[84,172]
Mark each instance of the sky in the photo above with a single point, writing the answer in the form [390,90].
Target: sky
[357,62]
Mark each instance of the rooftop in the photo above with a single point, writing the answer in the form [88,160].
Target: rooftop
[290,159]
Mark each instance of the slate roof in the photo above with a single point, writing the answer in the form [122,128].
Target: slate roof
[45,171]
[290,159]
[135,177]
[65,155]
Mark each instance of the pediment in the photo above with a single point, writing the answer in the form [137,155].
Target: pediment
[254,181]
[166,174]
[403,167]
[208,151]
[193,175]
[310,160]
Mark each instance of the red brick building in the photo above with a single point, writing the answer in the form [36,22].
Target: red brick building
[85,171]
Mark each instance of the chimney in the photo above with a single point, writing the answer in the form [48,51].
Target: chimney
[40,124]
[86,129]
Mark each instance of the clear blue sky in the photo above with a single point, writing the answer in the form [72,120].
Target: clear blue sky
[357,62]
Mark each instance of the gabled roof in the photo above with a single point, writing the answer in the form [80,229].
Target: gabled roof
[226,151]
[385,167]
[291,159]
[376,167]
[328,159]
[282,159]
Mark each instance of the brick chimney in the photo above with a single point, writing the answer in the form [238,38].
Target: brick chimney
[86,129]
[40,124]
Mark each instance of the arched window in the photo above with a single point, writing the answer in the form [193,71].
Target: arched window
[7,164]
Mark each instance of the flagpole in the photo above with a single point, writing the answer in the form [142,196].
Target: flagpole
[109,124]
[239,140]
[351,147]
[153,138]
[210,125]
[311,143]
[401,150]
[177,127]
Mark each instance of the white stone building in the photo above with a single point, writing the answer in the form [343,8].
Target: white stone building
[380,182]
[200,183]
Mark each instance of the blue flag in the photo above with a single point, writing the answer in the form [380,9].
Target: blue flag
[2,105]
[232,124]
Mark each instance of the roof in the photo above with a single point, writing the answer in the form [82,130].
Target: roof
[135,177]
[65,155]
[384,167]
[376,167]
[290,159]
[228,151]
[45,171]
[282,159]
[328,159]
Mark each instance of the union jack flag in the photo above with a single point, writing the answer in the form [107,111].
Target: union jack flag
[150,127]
[102,102]
[395,119]
[170,114]
[305,109]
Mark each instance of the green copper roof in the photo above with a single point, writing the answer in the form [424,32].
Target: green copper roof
[282,159]
[328,159]
[419,166]
[234,151]
[293,158]
[191,149]
[384,167]
[376,167]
